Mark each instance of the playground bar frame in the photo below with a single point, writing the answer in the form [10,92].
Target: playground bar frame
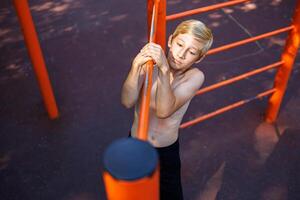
[226,108]
[204,9]
[284,66]
[277,92]
[35,53]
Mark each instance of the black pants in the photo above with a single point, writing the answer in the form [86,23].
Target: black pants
[170,177]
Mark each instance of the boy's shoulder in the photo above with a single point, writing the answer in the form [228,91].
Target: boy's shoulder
[195,75]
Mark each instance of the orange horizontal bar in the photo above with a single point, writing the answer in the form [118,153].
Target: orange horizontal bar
[226,108]
[252,39]
[204,9]
[238,78]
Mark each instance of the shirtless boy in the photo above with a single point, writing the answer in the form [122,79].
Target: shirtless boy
[175,82]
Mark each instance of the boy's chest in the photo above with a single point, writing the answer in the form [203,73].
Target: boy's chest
[173,83]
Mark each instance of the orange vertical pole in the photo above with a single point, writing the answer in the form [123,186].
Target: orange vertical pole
[161,22]
[283,73]
[143,124]
[36,56]
[131,170]
[150,4]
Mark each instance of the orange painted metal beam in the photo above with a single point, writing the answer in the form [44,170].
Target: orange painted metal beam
[252,39]
[224,109]
[131,170]
[204,9]
[143,124]
[288,56]
[160,37]
[146,188]
[36,56]
[238,78]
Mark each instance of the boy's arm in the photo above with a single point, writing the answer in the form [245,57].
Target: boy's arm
[134,81]
[132,87]
[169,101]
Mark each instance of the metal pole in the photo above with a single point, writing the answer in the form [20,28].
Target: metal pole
[161,24]
[160,37]
[131,170]
[143,124]
[36,56]
[283,73]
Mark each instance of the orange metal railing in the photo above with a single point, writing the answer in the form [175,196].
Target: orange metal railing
[226,108]
[284,65]
[238,78]
[204,9]
[148,186]
[36,56]
[248,40]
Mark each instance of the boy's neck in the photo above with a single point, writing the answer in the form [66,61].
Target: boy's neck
[177,73]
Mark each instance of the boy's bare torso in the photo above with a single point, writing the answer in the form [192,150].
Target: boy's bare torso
[162,132]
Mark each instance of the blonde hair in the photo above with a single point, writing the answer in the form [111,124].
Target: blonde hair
[198,30]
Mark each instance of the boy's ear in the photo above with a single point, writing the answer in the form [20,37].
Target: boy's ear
[201,58]
[170,41]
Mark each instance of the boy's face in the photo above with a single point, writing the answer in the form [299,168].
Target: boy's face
[184,50]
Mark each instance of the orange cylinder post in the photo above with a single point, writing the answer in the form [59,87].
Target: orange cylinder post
[161,24]
[283,73]
[143,124]
[150,4]
[36,56]
[160,36]
[131,170]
